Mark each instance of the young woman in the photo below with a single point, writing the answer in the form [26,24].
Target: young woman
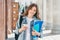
[26,31]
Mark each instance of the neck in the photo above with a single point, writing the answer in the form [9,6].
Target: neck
[29,16]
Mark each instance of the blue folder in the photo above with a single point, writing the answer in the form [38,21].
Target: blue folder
[38,26]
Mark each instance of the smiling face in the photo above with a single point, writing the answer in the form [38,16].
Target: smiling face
[32,11]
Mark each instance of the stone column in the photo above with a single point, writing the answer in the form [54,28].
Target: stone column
[49,14]
[56,17]
[9,16]
[2,19]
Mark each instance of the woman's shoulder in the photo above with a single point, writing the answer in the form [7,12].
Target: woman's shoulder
[24,17]
[24,21]
[35,18]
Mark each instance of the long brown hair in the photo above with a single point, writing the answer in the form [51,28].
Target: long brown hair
[30,7]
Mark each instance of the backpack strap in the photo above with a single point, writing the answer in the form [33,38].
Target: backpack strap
[20,21]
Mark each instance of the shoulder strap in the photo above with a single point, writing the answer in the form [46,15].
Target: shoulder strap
[20,21]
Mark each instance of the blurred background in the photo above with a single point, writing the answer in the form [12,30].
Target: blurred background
[49,13]
[10,11]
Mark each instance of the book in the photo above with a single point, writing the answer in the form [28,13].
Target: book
[38,25]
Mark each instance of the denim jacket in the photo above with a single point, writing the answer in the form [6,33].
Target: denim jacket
[22,35]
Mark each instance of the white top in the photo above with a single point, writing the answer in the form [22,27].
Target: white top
[28,30]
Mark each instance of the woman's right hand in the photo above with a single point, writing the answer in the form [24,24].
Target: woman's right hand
[23,28]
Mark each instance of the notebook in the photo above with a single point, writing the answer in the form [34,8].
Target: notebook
[38,25]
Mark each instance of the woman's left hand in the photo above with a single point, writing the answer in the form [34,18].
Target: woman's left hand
[35,33]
